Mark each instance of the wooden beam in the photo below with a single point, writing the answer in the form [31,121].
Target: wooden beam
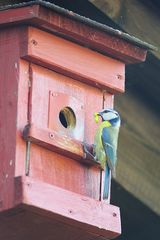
[77,29]
[22,223]
[61,144]
[9,63]
[59,54]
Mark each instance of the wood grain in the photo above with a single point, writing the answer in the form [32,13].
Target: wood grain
[67,27]
[101,218]
[90,98]
[22,116]
[30,92]
[58,143]
[73,60]
[9,77]
[25,224]
[49,166]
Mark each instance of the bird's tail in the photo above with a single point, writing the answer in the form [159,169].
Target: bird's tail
[106,183]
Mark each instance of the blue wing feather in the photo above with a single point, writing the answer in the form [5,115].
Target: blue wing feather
[108,145]
[105,149]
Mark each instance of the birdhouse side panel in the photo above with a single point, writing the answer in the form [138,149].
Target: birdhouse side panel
[9,79]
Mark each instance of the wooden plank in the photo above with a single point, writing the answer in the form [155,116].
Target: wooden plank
[9,75]
[25,223]
[22,116]
[56,142]
[95,38]
[77,31]
[22,223]
[18,15]
[74,209]
[74,60]
[55,169]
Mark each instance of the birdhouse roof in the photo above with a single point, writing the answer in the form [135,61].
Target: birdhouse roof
[87,21]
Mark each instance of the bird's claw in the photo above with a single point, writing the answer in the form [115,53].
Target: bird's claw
[87,153]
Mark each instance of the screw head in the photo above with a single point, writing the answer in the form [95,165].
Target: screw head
[34,42]
[114,214]
[51,135]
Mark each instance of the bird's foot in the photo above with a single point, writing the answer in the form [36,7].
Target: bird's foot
[87,153]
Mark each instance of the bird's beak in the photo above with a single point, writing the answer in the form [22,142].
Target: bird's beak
[96,117]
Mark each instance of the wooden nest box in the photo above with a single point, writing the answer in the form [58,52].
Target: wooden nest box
[56,69]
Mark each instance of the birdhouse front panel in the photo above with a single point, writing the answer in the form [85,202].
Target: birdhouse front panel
[67,84]
[58,113]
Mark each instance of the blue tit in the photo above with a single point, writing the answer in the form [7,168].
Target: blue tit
[105,144]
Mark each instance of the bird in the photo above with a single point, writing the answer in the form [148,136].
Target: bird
[105,144]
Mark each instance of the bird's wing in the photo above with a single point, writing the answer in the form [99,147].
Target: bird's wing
[108,144]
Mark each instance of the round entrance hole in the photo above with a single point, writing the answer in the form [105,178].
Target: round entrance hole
[67,118]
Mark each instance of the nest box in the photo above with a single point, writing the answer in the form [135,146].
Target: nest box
[56,69]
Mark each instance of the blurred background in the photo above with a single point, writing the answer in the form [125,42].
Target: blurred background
[137,186]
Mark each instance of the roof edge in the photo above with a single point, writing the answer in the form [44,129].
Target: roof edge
[87,21]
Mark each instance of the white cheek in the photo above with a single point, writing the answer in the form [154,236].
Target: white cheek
[109,116]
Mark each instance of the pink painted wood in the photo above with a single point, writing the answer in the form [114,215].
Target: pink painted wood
[58,143]
[44,163]
[69,28]
[9,84]
[74,61]
[82,212]
[84,80]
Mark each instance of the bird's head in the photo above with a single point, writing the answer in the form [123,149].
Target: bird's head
[109,115]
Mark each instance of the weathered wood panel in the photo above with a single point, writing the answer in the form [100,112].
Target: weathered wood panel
[49,166]
[28,111]
[22,116]
[73,209]
[58,143]
[74,60]
[18,15]
[9,78]
[68,27]
[25,224]
[44,81]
